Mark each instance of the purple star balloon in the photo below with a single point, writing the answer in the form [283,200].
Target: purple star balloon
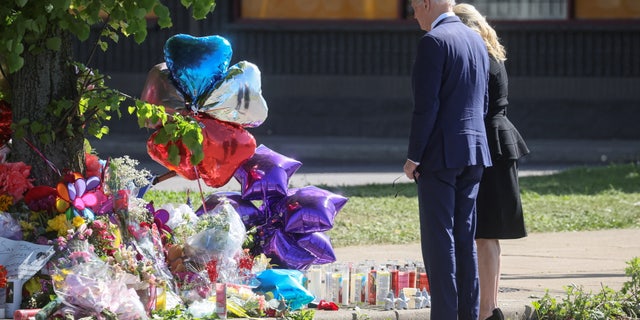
[250,215]
[319,245]
[266,174]
[285,252]
[309,209]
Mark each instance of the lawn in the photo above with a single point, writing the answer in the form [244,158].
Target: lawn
[583,198]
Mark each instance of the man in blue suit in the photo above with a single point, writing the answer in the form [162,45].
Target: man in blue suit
[447,153]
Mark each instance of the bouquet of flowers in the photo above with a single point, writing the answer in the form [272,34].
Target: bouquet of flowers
[94,288]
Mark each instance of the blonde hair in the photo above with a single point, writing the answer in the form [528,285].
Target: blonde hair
[474,20]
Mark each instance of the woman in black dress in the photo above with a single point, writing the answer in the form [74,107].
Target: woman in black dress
[498,205]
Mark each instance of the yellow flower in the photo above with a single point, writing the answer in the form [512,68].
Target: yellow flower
[118,238]
[77,221]
[5,202]
[59,224]
[57,279]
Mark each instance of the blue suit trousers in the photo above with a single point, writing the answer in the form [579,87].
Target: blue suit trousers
[447,200]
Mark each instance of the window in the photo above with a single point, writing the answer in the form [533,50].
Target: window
[321,9]
[607,9]
[398,10]
[523,9]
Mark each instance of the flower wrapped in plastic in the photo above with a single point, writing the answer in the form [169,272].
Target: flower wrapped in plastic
[9,227]
[220,232]
[220,235]
[92,288]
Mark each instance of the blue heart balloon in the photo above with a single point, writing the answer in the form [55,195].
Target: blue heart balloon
[197,63]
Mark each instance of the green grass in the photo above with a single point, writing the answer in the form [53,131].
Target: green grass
[578,199]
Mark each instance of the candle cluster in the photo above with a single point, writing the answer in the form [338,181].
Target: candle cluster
[390,285]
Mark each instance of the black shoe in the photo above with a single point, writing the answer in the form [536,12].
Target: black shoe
[497,315]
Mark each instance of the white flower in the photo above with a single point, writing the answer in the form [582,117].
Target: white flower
[183,214]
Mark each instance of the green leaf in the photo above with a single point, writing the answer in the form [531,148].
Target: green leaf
[36,127]
[14,62]
[30,24]
[139,13]
[54,43]
[45,138]
[140,36]
[174,154]
[21,3]
[164,17]
[196,155]
[161,137]
[202,8]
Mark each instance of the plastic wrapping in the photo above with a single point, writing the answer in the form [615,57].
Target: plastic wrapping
[9,227]
[93,288]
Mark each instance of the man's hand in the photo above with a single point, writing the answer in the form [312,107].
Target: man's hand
[410,170]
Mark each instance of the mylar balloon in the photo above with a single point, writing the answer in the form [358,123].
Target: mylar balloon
[284,284]
[197,63]
[250,215]
[319,245]
[225,147]
[286,253]
[309,209]
[266,174]
[159,90]
[237,97]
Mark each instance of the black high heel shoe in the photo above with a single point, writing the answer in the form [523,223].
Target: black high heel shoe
[497,315]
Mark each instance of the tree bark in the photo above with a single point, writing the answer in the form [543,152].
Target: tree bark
[46,77]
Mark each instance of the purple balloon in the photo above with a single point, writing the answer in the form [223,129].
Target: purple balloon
[250,215]
[285,252]
[309,209]
[266,174]
[319,245]
[197,63]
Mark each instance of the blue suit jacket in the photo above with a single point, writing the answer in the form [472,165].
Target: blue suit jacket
[450,79]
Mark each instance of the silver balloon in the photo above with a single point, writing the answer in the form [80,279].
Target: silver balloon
[237,97]
[160,90]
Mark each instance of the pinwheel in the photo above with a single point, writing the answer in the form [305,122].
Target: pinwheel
[76,195]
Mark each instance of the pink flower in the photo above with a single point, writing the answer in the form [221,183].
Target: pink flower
[15,179]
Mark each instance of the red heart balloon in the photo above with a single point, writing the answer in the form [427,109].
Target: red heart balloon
[225,146]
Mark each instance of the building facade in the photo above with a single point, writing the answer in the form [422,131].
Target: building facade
[342,67]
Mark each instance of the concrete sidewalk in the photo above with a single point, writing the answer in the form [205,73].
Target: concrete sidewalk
[532,266]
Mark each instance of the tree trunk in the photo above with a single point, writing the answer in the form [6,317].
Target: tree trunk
[46,77]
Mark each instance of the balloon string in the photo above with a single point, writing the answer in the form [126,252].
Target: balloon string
[204,205]
[49,163]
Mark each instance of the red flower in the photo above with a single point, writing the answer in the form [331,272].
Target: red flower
[15,179]
[3,276]
[212,270]
[93,166]
[245,260]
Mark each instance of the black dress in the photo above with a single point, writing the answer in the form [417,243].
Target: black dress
[498,205]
